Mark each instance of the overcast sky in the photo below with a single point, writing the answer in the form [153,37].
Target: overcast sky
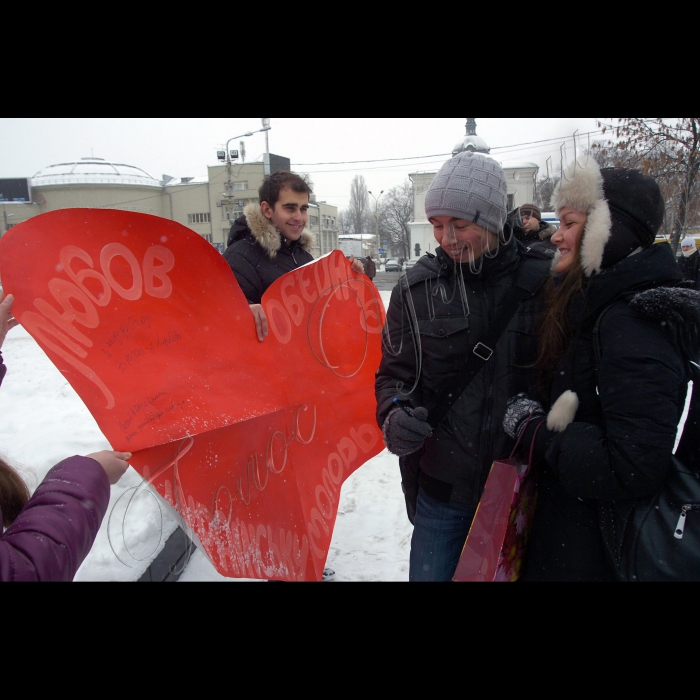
[185,147]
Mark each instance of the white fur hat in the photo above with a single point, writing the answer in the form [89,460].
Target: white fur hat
[624,209]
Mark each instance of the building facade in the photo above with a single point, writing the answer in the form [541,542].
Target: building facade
[205,206]
[521,179]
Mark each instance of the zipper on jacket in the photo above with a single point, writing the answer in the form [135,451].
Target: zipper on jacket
[680,526]
[487,422]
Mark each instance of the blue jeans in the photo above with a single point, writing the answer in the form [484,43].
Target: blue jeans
[439,532]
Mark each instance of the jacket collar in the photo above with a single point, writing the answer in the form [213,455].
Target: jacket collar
[268,237]
[489,266]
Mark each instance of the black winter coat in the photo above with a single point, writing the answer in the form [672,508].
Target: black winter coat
[456,460]
[690,267]
[620,442]
[258,256]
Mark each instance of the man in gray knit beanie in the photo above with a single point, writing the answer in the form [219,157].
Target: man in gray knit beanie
[467,205]
[472,187]
[440,314]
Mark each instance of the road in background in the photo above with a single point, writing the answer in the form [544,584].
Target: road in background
[385,281]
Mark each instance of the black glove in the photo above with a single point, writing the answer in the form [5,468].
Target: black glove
[405,433]
[518,410]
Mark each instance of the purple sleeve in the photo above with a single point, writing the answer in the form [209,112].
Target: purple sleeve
[3,369]
[56,529]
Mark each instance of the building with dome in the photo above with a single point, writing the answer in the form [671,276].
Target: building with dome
[471,141]
[207,206]
[520,176]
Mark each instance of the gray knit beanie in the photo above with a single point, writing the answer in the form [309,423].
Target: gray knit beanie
[470,186]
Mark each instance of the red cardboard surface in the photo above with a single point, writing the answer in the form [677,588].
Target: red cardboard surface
[249,441]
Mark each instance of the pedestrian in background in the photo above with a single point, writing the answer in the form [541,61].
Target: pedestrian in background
[690,261]
[528,227]
[370,267]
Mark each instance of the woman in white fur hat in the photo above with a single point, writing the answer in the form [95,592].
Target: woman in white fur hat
[611,425]
[690,261]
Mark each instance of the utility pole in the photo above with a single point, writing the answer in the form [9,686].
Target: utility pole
[266,128]
[376,217]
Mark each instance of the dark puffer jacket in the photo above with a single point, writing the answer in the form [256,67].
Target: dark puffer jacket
[620,441]
[259,257]
[690,267]
[456,460]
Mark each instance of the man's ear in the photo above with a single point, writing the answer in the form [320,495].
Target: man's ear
[267,210]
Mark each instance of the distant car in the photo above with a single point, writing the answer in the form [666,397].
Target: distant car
[392,266]
[551,218]
[409,264]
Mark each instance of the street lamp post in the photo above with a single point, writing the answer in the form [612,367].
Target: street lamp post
[229,184]
[376,216]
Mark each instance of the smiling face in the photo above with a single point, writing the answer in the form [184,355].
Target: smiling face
[568,237]
[289,215]
[462,240]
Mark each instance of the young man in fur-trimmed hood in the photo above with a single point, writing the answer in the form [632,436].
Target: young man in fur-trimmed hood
[271,239]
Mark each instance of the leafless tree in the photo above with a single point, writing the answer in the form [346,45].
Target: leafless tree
[345,227]
[545,190]
[359,214]
[396,211]
[668,149]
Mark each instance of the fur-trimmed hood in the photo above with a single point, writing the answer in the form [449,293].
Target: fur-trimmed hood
[267,236]
[678,308]
[625,210]
[582,188]
[546,231]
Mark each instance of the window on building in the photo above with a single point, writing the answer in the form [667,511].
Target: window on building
[207,237]
[238,186]
[198,218]
[313,220]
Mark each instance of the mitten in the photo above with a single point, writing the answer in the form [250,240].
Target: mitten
[405,433]
[518,410]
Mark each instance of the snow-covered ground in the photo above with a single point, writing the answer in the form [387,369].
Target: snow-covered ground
[45,421]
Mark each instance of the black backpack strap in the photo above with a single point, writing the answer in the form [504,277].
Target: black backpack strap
[532,274]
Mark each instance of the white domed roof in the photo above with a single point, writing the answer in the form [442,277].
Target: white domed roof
[471,142]
[93,171]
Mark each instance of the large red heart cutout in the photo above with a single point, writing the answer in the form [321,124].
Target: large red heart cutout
[249,441]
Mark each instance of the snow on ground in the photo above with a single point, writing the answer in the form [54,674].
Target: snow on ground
[44,421]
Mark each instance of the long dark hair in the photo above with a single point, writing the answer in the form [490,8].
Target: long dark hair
[14,493]
[556,332]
